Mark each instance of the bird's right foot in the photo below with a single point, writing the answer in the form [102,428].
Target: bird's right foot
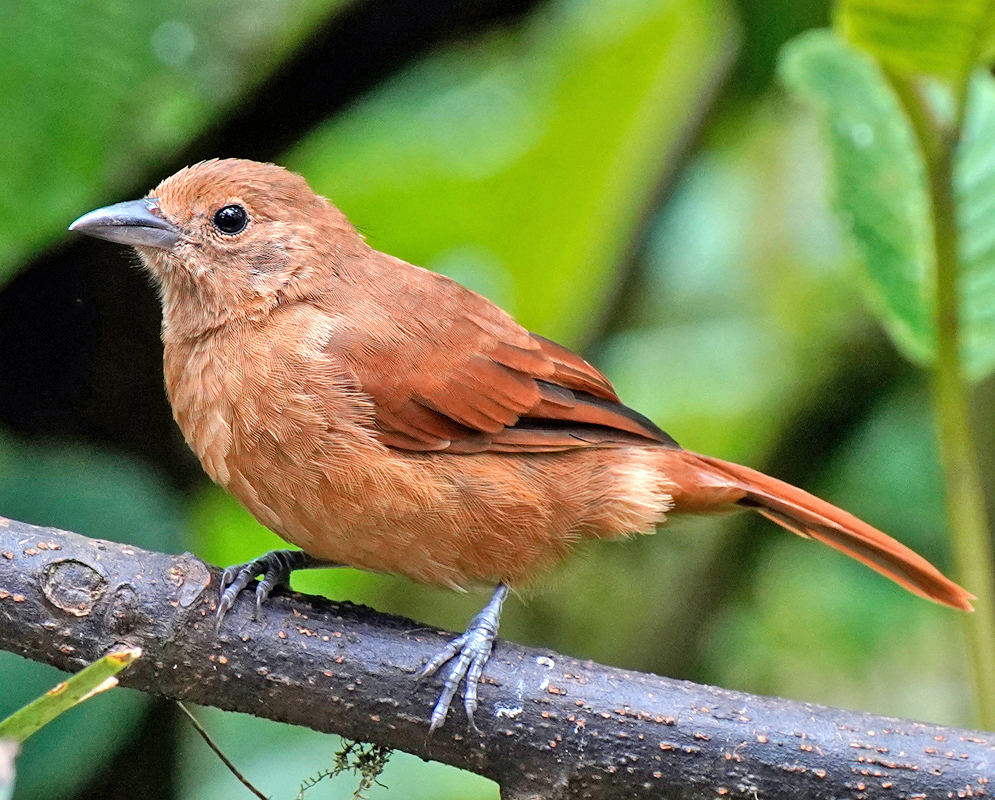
[274,567]
[469,654]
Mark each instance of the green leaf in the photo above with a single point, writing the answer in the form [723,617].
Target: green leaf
[96,678]
[883,199]
[879,177]
[947,38]
[522,163]
[974,191]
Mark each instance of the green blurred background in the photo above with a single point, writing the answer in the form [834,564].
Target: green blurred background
[623,175]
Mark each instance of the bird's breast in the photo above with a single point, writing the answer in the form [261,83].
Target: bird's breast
[281,425]
[258,386]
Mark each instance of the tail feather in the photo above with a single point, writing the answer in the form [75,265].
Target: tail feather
[808,516]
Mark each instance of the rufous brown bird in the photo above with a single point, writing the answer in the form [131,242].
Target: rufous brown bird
[381,416]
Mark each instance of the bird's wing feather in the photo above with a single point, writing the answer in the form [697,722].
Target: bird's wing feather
[466,378]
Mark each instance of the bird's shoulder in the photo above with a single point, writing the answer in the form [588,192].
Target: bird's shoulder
[447,369]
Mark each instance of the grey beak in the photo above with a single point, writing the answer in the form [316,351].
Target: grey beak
[135,222]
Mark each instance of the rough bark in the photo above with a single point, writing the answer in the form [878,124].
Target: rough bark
[551,726]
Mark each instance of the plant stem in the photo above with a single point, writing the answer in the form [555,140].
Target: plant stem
[965,499]
[217,751]
[966,513]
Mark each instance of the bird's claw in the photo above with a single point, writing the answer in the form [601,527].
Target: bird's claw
[275,568]
[471,651]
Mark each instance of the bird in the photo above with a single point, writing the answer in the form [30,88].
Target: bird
[378,415]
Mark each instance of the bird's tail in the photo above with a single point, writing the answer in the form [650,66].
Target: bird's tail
[808,516]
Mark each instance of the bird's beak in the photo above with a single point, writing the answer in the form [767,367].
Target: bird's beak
[135,222]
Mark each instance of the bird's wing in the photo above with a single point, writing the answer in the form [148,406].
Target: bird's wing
[448,370]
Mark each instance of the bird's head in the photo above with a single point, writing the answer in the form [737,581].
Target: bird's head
[227,237]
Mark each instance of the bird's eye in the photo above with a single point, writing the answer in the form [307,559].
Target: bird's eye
[230,219]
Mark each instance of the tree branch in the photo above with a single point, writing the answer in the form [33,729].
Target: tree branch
[552,726]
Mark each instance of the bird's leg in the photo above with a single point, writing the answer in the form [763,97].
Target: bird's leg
[274,567]
[471,651]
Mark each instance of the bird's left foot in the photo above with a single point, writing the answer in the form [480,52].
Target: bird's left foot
[471,651]
[274,567]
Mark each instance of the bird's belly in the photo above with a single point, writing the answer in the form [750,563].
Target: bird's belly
[448,519]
